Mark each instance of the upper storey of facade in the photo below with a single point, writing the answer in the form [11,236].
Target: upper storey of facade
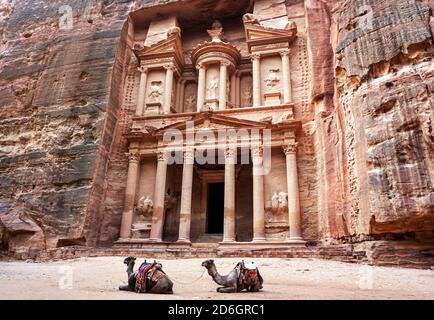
[193,61]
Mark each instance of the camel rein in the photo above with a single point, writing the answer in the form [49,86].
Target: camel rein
[186,283]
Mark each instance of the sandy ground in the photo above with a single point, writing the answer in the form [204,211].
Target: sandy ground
[99,278]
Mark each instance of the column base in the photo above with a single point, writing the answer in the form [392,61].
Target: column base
[228,241]
[259,239]
[155,240]
[295,240]
[183,241]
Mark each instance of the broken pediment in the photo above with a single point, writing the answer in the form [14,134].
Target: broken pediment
[256,34]
[167,48]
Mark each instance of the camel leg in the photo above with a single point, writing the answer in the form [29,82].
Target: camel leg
[125,288]
[227,289]
[163,286]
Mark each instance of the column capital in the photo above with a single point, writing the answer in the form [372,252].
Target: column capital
[189,156]
[230,153]
[285,52]
[290,148]
[257,151]
[255,56]
[170,67]
[161,155]
[143,69]
[133,156]
[200,65]
[225,63]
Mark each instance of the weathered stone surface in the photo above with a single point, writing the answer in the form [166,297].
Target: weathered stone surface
[362,77]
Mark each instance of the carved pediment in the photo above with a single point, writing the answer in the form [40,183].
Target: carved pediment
[257,34]
[170,47]
[212,121]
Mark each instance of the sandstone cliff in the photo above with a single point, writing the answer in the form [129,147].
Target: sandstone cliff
[62,116]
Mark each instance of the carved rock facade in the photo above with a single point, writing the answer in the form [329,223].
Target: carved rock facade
[356,76]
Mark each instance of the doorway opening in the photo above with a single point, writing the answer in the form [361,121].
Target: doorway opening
[215,214]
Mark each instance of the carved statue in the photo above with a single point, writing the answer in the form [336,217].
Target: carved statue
[169,200]
[145,206]
[216,31]
[191,102]
[250,18]
[155,91]
[173,31]
[247,96]
[272,79]
[212,88]
[279,202]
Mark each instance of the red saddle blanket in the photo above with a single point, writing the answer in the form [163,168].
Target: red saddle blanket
[247,276]
[142,275]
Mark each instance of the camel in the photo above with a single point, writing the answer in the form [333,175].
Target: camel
[159,282]
[231,282]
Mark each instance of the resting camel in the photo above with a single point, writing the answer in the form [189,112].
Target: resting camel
[159,282]
[231,282]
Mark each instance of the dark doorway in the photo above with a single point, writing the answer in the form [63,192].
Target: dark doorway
[216,199]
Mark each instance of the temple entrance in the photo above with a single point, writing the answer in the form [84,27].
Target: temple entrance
[215,212]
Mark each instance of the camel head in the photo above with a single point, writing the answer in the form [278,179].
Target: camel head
[129,259]
[208,263]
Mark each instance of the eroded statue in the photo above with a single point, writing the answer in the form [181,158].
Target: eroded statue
[212,87]
[216,31]
[272,79]
[155,91]
[145,206]
[279,202]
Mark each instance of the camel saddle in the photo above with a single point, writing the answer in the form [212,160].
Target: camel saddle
[247,274]
[147,276]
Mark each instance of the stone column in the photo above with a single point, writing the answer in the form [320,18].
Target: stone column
[233,89]
[159,195]
[222,89]
[293,196]
[258,195]
[238,90]
[187,186]
[130,195]
[181,96]
[142,91]
[256,61]
[177,96]
[286,76]
[229,211]
[200,86]
[168,87]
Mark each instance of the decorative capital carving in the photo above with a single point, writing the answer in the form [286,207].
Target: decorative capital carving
[290,148]
[230,153]
[161,155]
[257,151]
[189,156]
[200,65]
[285,52]
[255,56]
[170,67]
[225,63]
[134,156]
[142,69]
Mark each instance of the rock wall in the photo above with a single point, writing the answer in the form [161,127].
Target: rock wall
[364,85]
[375,119]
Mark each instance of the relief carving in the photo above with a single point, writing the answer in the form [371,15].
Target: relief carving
[216,31]
[212,88]
[272,79]
[145,206]
[155,91]
[279,203]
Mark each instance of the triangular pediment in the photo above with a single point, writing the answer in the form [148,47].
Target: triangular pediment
[170,47]
[257,34]
[212,122]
